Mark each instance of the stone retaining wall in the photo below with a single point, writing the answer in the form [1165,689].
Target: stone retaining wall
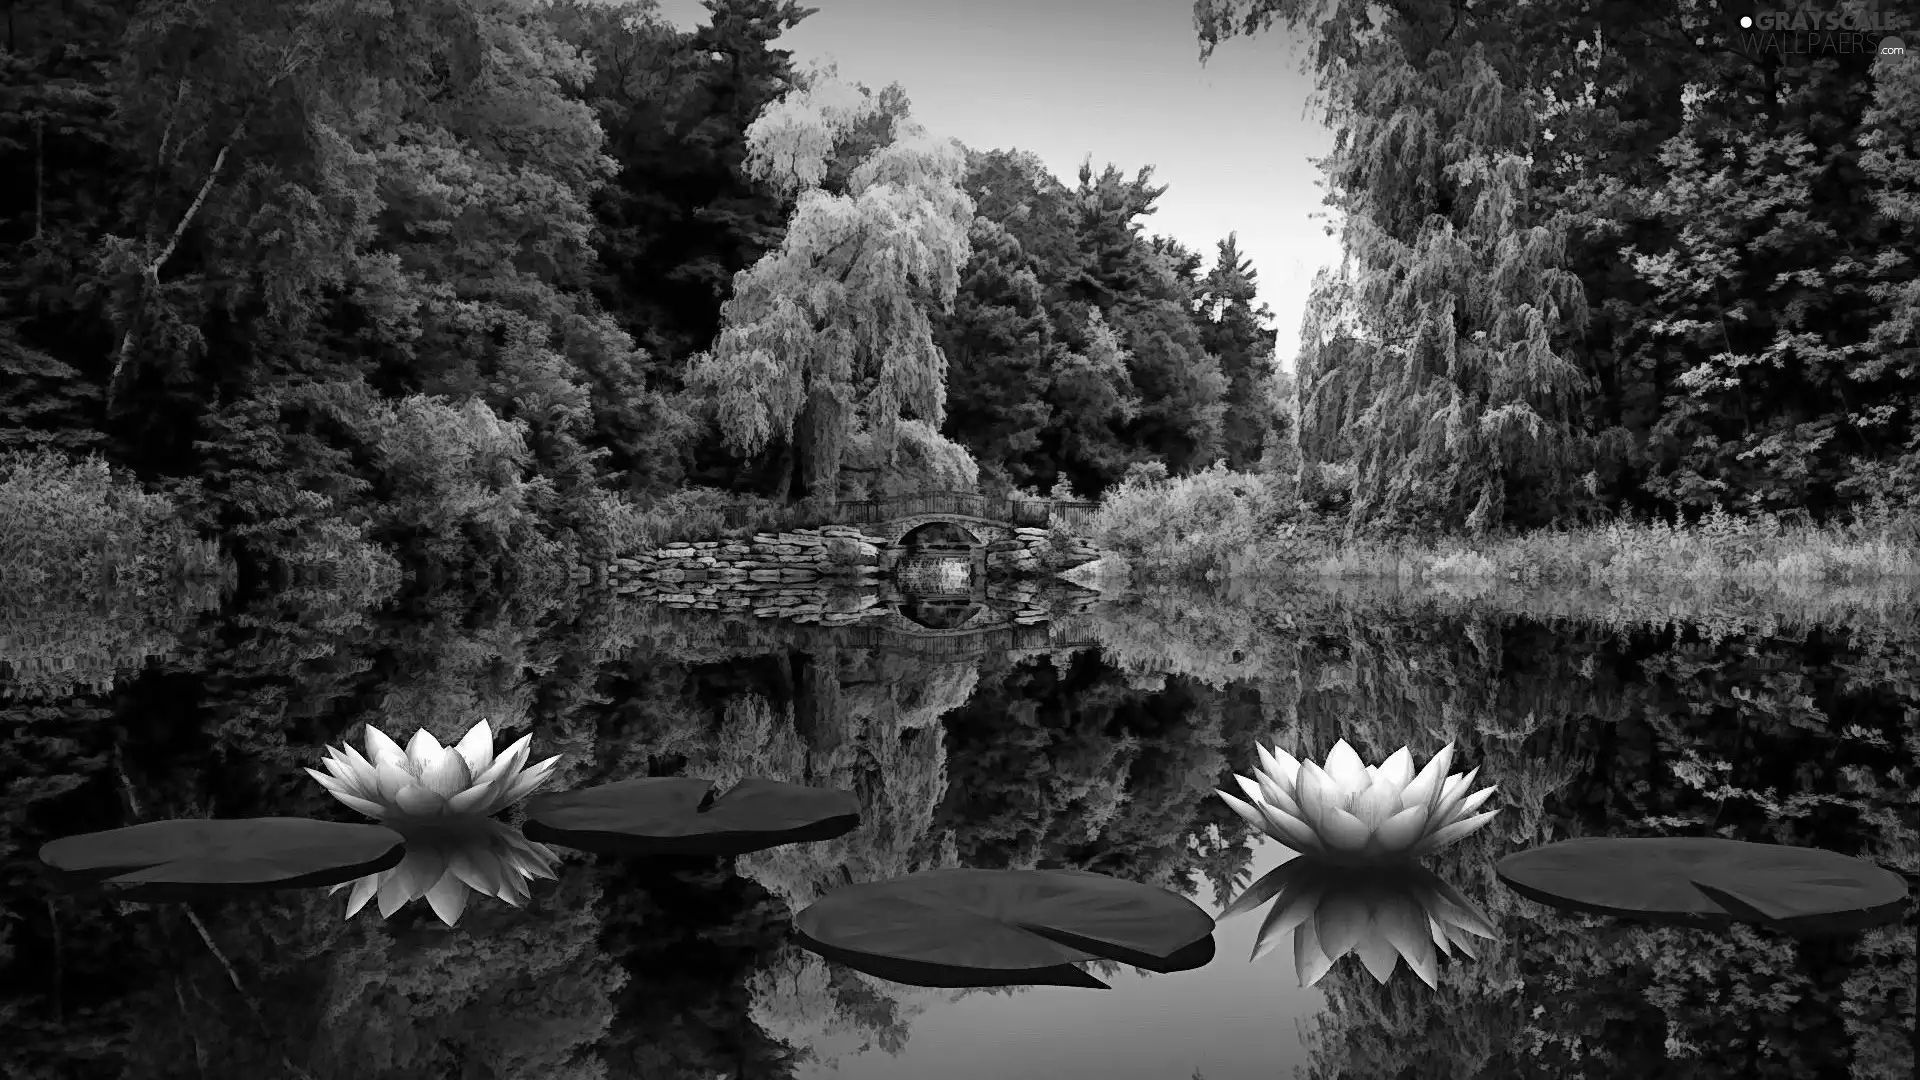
[839,602]
[832,552]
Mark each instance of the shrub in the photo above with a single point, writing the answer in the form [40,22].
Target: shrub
[66,520]
[1187,526]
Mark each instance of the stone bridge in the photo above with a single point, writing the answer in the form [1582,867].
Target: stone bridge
[1016,535]
[901,514]
[982,530]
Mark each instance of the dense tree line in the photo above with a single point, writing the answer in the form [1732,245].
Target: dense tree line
[449,277]
[1605,256]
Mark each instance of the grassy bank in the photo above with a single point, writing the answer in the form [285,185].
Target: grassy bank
[1221,525]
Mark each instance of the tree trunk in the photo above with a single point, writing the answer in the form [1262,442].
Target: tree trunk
[820,436]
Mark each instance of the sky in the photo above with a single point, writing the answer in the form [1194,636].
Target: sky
[1120,80]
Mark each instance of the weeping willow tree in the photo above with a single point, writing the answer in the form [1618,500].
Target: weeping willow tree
[1433,380]
[828,334]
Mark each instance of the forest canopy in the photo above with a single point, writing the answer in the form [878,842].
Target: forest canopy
[276,258]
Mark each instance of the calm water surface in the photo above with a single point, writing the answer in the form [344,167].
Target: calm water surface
[1095,748]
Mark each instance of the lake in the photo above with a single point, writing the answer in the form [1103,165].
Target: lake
[1092,741]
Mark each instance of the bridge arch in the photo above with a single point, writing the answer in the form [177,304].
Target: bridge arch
[982,530]
[967,534]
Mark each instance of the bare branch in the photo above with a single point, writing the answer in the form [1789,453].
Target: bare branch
[291,58]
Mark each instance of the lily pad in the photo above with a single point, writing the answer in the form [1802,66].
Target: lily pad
[954,928]
[679,815]
[195,858]
[1708,882]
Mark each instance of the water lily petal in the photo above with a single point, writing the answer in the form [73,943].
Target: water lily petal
[476,867]
[507,763]
[524,784]
[474,801]
[418,800]
[1270,790]
[528,858]
[337,765]
[365,775]
[1397,769]
[547,860]
[448,898]
[476,746]
[1256,791]
[1270,885]
[333,784]
[417,872]
[446,775]
[1375,805]
[1310,962]
[1457,830]
[1345,766]
[1291,831]
[1288,803]
[1403,922]
[423,749]
[1245,810]
[1471,803]
[1449,936]
[1453,907]
[1401,831]
[513,890]
[1317,793]
[382,749]
[1342,832]
[1451,793]
[1453,785]
[390,777]
[1292,912]
[1426,785]
[1340,927]
[363,890]
[1282,766]
[1378,956]
[375,810]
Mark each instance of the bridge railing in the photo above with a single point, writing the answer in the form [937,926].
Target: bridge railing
[1035,513]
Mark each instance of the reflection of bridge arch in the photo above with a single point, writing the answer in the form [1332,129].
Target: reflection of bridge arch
[982,618]
[943,613]
[1003,637]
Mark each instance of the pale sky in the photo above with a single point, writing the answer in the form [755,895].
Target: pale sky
[1118,79]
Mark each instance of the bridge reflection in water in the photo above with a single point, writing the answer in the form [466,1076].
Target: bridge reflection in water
[940,592]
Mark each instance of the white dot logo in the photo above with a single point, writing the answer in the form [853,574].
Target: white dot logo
[1746,22]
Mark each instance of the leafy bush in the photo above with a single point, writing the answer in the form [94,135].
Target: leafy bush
[1192,525]
[65,521]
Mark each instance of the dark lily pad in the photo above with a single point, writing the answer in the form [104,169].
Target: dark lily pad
[1708,882]
[197,858]
[679,815]
[955,928]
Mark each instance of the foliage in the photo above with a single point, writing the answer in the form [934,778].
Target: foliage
[78,524]
[831,330]
[1188,526]
[1234,331]
[1603,259]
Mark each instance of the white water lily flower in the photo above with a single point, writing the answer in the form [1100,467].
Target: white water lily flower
[446,859]
[439,800]
[426,781]
[1385,914]
[1354,814]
